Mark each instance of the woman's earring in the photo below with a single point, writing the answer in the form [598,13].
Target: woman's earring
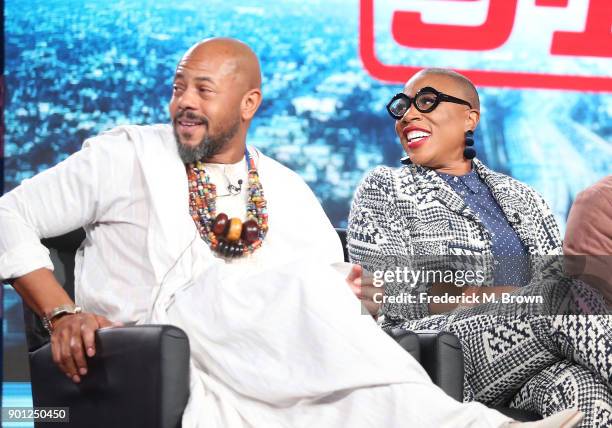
[405,160]
[469,152]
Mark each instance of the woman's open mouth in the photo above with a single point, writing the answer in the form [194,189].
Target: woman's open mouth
[416,137]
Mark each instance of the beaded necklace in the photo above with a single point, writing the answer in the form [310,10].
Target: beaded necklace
[228,237]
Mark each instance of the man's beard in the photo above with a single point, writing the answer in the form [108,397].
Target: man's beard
[209,146]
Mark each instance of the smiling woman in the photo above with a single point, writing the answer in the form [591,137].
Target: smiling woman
[444,209]
[433,131]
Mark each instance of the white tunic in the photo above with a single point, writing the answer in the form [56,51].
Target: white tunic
[277,338]
[128,188]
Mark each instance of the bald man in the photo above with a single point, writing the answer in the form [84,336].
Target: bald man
[188,225]
[216,92]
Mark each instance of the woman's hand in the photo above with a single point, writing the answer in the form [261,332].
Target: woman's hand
[370,295]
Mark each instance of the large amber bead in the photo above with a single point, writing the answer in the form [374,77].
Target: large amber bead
[250,231]
[235,229]
[219,227]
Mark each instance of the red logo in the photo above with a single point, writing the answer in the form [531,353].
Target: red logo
[410,31]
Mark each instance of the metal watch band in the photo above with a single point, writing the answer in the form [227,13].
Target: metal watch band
[48,318]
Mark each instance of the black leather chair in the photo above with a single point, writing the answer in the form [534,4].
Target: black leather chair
[441,355]
[139,376]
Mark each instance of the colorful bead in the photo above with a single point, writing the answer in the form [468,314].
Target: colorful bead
[202,196]
[250,231]
[235,229]
[235,251]
[202,208]
[222,247]
[220,225]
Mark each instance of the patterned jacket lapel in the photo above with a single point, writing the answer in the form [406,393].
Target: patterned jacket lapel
[429,185]
[427,180]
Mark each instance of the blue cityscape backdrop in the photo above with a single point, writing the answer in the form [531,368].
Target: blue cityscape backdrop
[75,68]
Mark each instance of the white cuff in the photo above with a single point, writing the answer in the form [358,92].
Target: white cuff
[24,259]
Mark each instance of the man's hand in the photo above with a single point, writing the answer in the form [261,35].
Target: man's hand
[73,334]
[365,290]
[73,338]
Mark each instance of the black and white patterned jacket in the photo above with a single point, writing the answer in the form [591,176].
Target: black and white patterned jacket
[400,214]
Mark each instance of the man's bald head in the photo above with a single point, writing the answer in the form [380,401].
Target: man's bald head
[239,59]
[216,93]
[463,84]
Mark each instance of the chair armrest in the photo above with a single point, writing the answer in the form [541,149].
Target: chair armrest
[439,353]
[139,377]
[449,371]
[408,340]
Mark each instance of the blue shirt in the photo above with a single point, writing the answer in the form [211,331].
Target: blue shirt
[511,261]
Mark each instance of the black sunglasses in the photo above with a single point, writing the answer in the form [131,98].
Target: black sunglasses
[425,101]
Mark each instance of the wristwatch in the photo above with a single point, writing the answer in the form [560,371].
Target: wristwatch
[55,313]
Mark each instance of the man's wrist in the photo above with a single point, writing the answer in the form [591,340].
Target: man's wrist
[52,316]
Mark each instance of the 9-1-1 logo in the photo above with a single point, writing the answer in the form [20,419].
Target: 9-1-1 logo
[409,30]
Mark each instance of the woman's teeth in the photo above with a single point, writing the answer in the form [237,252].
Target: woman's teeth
[416,136]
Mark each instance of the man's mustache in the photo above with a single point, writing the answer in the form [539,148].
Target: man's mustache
[189,115]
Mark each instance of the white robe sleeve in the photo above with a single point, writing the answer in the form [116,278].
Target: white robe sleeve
[72,194]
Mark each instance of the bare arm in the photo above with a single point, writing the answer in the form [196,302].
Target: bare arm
[72,194]
[41,291]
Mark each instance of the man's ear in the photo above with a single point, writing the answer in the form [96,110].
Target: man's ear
[250,103]
[471,122]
